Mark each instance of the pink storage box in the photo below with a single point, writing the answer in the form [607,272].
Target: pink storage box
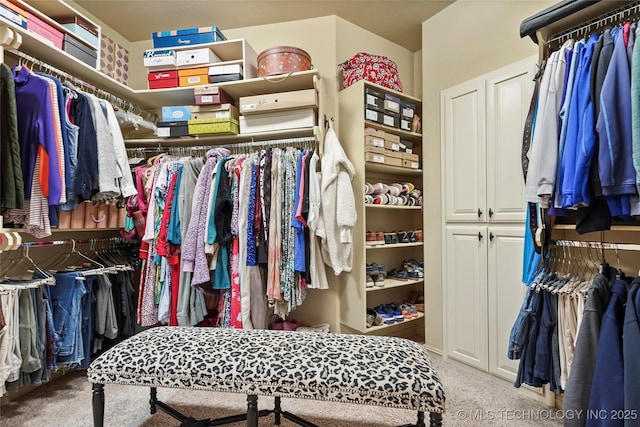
[38,26]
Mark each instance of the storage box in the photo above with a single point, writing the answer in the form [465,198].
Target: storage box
[107,55]
[79,50]
[375,132]
[373,141]
[160,59]
[374,158]
[121,67]
[218,70]
[407,109]
[213,127]
[83,33]
[187,37]
[405,124]
[192,57]
[206,95]
[282,60]
[40,27]
[278,120]
[193,76]
[373,99]
[162,79]
[176,113]
[217,111]
[222,78]
[392,103]
[14,14]
[410,164]
[406,146]
[278,101]
[373,150]
[172,129]
[392,161]
[392,153]
[410,156]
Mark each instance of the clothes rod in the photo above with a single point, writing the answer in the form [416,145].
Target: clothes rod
[613,17]
[597,245]
[121,103]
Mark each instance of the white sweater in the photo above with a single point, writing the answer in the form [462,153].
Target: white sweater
[338,209]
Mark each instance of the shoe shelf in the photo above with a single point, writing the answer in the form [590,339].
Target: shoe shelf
[417,208]
[395,245]
[390,283]
[375,329]
[356,297]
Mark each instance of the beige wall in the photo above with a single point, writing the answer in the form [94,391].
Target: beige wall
[465,40]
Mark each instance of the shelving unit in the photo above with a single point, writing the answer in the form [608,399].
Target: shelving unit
[355,297]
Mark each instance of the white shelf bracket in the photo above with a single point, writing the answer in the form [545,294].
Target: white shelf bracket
[9,38]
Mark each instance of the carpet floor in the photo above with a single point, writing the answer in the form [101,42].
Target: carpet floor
[472,400]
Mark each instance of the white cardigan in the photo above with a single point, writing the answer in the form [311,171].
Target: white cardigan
[338,209]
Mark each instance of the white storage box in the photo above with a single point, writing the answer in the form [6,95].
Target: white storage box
[279,120]
[194,57]
[160,59]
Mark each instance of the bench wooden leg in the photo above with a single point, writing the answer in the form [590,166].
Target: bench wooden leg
[98,405]
[435,419]
[153,400]
[252,410]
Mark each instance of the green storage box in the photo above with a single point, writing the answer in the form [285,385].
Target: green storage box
[221,126]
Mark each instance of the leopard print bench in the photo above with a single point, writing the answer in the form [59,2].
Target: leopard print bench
[370,370]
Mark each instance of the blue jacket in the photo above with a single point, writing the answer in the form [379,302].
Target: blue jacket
[630,350]
[607,390]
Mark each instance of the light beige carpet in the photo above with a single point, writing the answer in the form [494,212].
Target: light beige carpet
[66,402]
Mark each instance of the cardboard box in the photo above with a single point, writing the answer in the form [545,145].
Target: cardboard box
[392,153]
[207,95]
[374,141]
[392,161]
[391,103]
[391,119]
[278,120]
[176,113]
[374,158]
[217,111]
[41,28]
[193,76]
[191,57]
[121,66]
[162,79]
[14,14]
[406,146]
[410,157]
[374,132]
[107,54]
[278,101]
[79,50]
[213,127]
[163,59]
[373,98]
[407,109]
[392,146]
[187,37]
[405,124]
[410,164]
[173,129]
[373,150]
[221,78]
[219,70]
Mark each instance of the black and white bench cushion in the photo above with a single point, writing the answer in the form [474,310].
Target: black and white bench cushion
[384,371]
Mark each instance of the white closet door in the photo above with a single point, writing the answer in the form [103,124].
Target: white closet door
[463,164]
[509,93]
[466,295]
[506,293]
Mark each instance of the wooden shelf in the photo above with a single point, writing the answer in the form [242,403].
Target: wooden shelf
[375,329]
[192,141]
[417,208]
[390,283]
[395,170]
[394,245]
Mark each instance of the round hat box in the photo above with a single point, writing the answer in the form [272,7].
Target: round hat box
[282,60]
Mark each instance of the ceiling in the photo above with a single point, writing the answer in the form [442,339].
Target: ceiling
[399,21]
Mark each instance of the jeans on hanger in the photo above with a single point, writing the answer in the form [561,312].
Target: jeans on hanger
[66,298]
[87,327]
[520,329]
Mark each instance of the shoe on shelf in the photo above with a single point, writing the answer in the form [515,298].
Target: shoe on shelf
[369,283]
[382,270]
[319,328]
[403,237]
[373,318]
[378,280]
[371,238]
[419,235]
[394,309]
[398,274]
[387,318]
[379,238]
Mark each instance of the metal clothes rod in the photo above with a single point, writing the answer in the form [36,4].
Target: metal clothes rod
[616,16]
[114,240]
[122,103]
[597,245]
